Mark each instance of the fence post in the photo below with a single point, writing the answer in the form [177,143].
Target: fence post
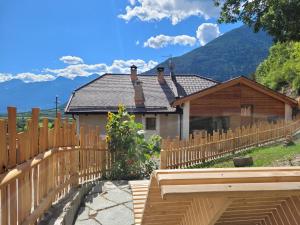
[74,157]
[163,159]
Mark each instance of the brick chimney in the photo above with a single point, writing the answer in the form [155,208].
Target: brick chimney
[160,75]
[138,93]
[133,73]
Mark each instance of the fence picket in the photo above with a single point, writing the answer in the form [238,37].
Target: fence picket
[44,164]
[185,153]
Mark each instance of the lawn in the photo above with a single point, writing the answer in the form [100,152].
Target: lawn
[262,156]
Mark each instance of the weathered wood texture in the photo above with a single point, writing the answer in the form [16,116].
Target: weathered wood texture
[39,165]
[205,147]
[244,196]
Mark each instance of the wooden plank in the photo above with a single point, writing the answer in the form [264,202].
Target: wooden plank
[12,135]
[189,203]
[4,205]
[3,147]
[12,161]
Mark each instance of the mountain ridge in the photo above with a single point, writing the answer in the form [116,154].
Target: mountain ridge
[28,95]
[235,53]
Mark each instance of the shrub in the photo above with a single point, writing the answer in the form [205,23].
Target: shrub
[134,155]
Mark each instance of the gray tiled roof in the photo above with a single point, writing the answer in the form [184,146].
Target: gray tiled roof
[108,91]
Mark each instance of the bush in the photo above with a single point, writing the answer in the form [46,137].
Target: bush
[134,155]
[281,70]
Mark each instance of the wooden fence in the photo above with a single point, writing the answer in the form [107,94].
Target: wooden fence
[204,147]
[40,165]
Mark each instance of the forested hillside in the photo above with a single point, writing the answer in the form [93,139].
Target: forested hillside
[281,70]
[235,53]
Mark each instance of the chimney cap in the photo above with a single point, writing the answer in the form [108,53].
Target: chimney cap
[160,69]
[133,66]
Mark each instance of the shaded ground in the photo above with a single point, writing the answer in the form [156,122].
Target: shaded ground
[110,206]
[278,155]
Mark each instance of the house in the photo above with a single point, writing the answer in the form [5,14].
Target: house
[177,105]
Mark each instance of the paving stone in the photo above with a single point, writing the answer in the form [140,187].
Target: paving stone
[83,213]
[111,207]
[119,215]
[108,185]
[87,222]
[92,212]
[118,196]
[99,203]
[97,189]
[129,205]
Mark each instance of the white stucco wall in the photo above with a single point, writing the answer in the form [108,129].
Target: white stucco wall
[167,125]
[94,120]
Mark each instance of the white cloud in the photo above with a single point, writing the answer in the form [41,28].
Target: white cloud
[72,71]
[161,41]
[31,77]
[5,77]
[118,66]
[137,42]
[206,32]
[27,77]
[68,59]
[174,10]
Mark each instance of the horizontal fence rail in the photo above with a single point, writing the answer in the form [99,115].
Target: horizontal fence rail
[40,165]
[204,147]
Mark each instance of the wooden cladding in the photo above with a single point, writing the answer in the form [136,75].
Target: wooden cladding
[233,196]
[39,165]
[229,101]
[204,147]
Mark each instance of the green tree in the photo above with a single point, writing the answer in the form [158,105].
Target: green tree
[280,18]
[281,70]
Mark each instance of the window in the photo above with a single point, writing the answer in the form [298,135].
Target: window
[151,123]
[247,110]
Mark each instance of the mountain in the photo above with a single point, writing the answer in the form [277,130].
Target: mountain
[237,52]
[39,94]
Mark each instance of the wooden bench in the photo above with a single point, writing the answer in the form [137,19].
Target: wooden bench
[233,196]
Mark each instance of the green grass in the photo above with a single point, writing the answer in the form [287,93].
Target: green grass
[262,156]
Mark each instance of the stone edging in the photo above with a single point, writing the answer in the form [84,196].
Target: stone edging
[65,211]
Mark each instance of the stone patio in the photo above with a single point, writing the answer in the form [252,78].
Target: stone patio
[109,203]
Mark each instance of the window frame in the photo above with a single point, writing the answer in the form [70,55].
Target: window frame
[146,123]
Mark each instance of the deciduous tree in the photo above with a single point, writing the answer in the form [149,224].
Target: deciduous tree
[280,18]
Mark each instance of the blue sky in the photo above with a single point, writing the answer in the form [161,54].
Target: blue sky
[43,39]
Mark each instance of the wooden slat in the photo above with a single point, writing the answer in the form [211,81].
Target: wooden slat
[39,165]
[202,148]
[180,197]
[3,147]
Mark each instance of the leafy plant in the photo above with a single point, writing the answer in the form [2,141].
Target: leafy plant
[281,70]
[134,155]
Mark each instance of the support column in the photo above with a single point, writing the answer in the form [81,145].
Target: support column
[186,120]
[288,112]
[77,124]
